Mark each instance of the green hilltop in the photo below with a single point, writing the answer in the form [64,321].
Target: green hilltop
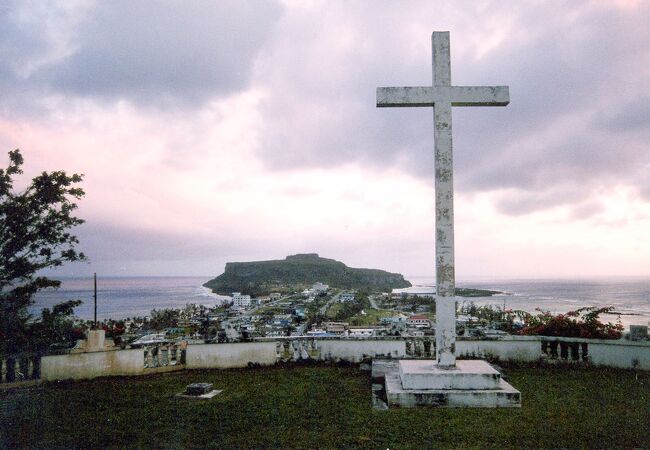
[302,270]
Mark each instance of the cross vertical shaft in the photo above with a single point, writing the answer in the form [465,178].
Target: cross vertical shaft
[444,184]
[442,96]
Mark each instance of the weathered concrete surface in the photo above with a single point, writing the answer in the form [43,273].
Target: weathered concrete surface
[92,365]
[225,356]
[442,96]
[380,367]
[621,354]
[504,397]
[206,396]
[468,374]
[524,349]
[610,353]
[95,341]
[446,331]
[415,96]
[357,351]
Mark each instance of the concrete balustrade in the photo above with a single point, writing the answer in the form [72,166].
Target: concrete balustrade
[267,351]
[20,368]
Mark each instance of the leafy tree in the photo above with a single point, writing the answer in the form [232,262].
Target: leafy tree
[353,308]
[319,318]
[34,235]
[56,326]
[164,318]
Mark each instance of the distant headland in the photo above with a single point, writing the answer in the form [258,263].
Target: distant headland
[263,277]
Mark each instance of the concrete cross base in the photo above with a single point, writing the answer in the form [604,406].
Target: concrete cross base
[472,384]
[504,397]
[468,374]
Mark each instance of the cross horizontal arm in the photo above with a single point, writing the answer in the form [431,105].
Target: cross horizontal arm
[430,95]
[404,96]
[480,95]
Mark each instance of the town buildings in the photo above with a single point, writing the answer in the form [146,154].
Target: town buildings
[241,301]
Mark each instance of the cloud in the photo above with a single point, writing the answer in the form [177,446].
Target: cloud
[215,131]
[562,70]
[631,116]
[159,53]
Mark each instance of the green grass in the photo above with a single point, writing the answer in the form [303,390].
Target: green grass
[324,406]
[333,310]
[371,317]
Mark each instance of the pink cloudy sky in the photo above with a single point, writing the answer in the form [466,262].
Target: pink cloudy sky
[227,131]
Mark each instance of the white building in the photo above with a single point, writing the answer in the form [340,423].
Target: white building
[320,287]
[361,332]
[419,321]
[241,301]
[335,327]
[346,297]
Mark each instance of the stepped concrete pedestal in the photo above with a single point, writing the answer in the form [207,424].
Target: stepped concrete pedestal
[472,383]
[468,374]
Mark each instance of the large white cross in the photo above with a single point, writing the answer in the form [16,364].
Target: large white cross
[442,96]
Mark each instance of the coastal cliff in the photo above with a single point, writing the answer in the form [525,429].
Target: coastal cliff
[302,270]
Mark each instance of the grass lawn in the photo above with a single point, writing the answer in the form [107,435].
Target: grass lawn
[324,406]
[371,317]
[333,310]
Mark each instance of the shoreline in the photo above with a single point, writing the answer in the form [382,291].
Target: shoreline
[137,296]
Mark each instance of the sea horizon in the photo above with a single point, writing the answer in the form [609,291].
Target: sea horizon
[407,277]
[121,296]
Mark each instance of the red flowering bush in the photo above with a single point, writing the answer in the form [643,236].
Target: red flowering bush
[582,323]
[113,329]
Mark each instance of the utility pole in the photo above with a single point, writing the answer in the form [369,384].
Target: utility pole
[95,296]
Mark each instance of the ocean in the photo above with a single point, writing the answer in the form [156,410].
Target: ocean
[629,296]
[121,297]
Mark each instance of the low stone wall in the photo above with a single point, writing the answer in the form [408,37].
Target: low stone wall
[92,365]
[621,354]
[600,352]
[511,348]
[267,352]
[610,353]
[359,350]
[224,356]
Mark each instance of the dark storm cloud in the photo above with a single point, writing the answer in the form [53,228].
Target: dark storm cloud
[571,92]
[577,80]
[147,52]
[578,118]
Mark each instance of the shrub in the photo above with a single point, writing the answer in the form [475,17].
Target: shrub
[582,323]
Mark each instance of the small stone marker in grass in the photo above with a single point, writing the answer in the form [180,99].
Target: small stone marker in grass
[199,390]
